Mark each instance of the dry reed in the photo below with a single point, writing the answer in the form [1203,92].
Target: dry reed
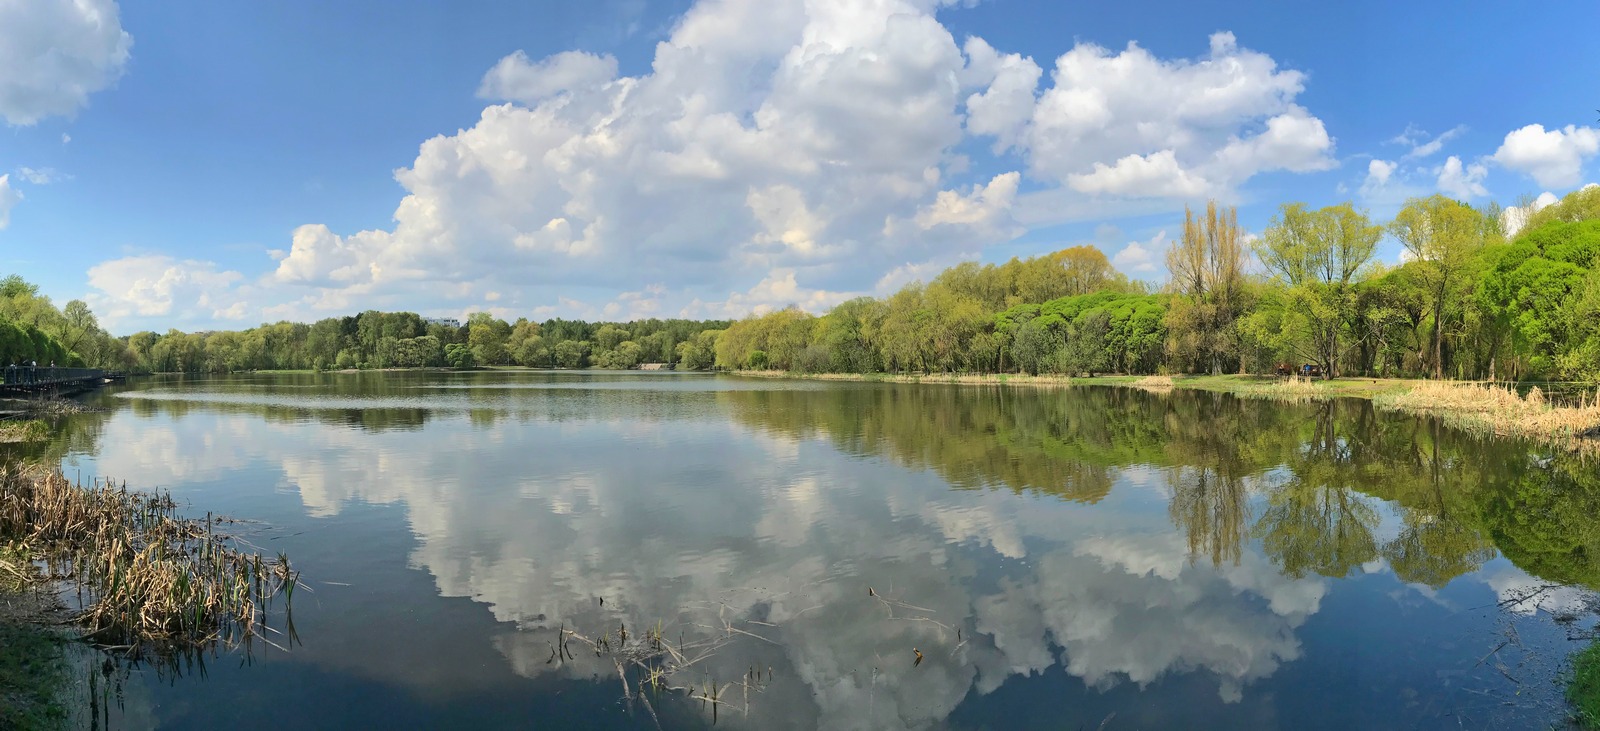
[1294,389]
[1501,410]
[1154,383]
[147,576]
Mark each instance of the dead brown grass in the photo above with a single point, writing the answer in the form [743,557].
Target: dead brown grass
[1501,410]
[149,577]
[1295,389]
[1154,383]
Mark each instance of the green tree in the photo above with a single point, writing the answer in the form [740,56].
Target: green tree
[1207,267]
[1318,255]
[571,354]
[459,356]
[1442,236]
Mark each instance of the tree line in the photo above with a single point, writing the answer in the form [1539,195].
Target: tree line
[32,330]
[1467,302]
[1471,300]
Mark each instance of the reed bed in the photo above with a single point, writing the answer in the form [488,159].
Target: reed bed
[1154,383]
[19,432]
[146,576]
[53,406]
[1502,411]
[1294,389]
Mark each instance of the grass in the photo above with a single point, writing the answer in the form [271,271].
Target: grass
[18,432]
[149,579]
[33,669]
[1584,690]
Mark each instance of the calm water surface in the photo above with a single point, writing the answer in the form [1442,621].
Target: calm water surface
[1058,557]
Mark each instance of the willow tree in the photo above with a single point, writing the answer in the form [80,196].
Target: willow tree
[1207,268]
[1318,255]
[1443,237]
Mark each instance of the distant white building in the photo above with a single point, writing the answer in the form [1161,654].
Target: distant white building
[445,321]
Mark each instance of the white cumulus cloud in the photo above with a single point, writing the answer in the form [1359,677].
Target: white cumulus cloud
[809,148]
[515,78]
[1513,218]
[1378,172]
[1140,258]
[55,53]
[161,286]
[1553,158]
[1464,181]
[1119,122]
[9,197]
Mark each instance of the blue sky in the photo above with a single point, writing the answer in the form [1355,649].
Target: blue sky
[230,163]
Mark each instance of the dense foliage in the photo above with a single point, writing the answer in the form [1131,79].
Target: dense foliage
[1466,303]
[33,330]
[405,340]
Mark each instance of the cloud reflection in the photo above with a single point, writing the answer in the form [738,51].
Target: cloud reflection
[704,522]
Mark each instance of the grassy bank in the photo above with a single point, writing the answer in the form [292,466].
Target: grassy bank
[1476,407]
[1270,387]
[33,666]
[1583,691]
[33,670]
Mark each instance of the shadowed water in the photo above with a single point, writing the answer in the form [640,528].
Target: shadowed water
[1060,558]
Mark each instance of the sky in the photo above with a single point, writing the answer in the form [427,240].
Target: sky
[219,165]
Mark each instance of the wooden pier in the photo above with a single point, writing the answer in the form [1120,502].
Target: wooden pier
[26,381]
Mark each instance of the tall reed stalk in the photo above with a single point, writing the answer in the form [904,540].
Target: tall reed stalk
[147,575]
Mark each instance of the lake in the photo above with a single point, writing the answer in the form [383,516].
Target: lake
[856,555]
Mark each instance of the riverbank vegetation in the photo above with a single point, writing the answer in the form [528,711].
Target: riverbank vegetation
[1583,692]
[1500,410]
[32,672]
[151,580]
[18,432]
[1466,304]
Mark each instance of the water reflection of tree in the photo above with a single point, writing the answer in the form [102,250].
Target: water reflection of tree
[1314,523]
[1063,444]
[1210,506]
[1547,521]
[1316,471]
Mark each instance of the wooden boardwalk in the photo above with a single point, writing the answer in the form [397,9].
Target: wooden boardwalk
[22,381]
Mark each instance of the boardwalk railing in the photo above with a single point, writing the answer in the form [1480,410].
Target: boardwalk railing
[16,375]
